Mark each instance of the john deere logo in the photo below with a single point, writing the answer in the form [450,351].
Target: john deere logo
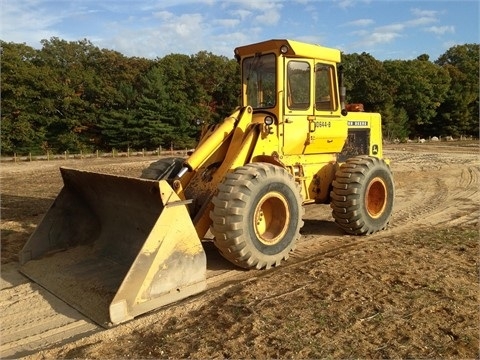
[375,149]
[357,123]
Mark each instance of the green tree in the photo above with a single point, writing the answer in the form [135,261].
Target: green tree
[72,74]
[217,85]
[89,90]
[459,112]
[367,82]
[419,88]
[394,123]
[182,107]
[22,127]
[117,125]
[153,115]
[116,100]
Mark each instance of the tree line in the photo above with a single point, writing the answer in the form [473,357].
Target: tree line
[73,96]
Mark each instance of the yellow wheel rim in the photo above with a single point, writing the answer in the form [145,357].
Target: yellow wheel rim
[271,217]
[376,197]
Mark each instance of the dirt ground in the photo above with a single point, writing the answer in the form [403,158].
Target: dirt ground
[408,292]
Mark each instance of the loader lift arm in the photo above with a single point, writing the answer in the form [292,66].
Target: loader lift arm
[229,146]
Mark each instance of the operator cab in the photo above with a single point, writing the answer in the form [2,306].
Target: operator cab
[294,87]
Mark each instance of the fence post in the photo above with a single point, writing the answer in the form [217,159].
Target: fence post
[14,157]
[30,156]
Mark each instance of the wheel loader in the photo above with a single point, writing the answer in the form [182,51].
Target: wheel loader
[116,247]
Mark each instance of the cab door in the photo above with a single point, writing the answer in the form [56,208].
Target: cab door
[298,105]
[327,130]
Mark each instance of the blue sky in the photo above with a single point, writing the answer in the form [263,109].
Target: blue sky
[154,28]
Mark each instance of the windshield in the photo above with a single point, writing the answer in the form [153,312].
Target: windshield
[259,81]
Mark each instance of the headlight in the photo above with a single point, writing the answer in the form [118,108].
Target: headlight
[268,120]
[284,49]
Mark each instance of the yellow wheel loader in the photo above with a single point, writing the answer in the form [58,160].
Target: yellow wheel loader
[116,247]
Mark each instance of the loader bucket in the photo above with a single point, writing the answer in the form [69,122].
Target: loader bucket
[115,247]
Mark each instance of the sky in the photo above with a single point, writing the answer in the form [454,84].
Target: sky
[402,29]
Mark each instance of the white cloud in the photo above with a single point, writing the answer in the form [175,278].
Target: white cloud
[391,28]
[256,5]
[390,32]
[376,38]
[226,22]
[420,21]
[163,15]
[152,5]
[263,12]
[152,28]
[168,33]
[369,39]
[422,17]
[343,4]
[383,37]
[360,32]
[441,30]
[424,13]
[270,17]
[25,22]
[360,22]
[241,13]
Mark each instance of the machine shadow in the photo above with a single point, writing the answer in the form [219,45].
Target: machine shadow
[321,227]
[215,261]
[18,208]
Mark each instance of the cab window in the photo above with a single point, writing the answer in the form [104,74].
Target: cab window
[325,89]
[259,79]
[298,86]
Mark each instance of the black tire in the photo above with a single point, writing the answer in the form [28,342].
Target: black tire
[163,169]
[362,196]
[257,216]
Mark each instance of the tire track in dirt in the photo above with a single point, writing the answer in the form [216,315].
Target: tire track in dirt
[431,188]
[429,195]
[34,319]
[463,209]
[436,188]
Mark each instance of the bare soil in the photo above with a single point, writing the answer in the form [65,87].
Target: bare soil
[408,292]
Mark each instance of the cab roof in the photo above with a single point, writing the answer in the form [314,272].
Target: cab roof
[293,49]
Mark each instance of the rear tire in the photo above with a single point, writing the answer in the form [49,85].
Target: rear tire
[163,169]
[257,216]
[363,195]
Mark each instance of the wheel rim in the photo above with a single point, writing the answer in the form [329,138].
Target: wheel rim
[271,217]
[376,197]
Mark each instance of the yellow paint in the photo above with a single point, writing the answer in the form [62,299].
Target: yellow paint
[172,233]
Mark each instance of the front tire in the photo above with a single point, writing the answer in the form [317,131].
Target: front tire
[363,195]
[257,216]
